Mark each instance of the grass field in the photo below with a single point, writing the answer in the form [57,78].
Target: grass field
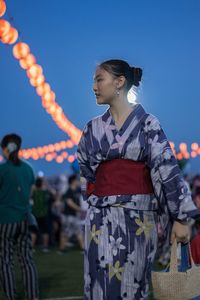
[59,275]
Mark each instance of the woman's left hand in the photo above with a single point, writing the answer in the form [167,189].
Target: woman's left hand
[180,232]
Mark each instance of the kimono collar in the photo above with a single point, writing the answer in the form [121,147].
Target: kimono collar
[137,111]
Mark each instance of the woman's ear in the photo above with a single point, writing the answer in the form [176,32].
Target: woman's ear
[120,82]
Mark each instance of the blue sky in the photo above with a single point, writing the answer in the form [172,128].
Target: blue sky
[70,37]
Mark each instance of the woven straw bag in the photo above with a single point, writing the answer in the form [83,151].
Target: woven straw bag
[175,285]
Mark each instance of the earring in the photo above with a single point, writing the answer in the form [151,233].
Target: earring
[117,92]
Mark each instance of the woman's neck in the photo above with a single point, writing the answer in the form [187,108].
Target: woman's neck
[120,107]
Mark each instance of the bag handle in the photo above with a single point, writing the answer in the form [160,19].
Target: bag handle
[173,257]
[190,254]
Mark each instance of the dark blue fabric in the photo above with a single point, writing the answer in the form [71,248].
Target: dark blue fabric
[185,264]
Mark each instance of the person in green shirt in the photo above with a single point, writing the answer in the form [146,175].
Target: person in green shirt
[16,180]
[41,197]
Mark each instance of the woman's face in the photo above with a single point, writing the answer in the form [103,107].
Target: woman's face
[5,153]
[104,87]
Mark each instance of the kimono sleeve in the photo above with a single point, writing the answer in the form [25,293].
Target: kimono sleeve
[170,189]
[86,173]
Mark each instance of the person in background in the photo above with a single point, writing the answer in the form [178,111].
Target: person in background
[197,197]
[195,243]
[56,214]
[71,220]
[16,180]
[195,184]
[41,201]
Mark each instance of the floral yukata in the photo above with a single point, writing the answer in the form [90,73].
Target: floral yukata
[121,230]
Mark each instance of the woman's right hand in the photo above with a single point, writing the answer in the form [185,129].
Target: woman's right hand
[180,232]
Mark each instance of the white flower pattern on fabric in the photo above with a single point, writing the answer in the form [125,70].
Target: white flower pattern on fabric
[116,245]
[151,123]
[93,210]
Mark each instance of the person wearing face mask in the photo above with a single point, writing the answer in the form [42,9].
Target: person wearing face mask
[16,180]
[129,178]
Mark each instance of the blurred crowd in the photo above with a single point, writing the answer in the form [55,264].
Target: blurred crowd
[60,212]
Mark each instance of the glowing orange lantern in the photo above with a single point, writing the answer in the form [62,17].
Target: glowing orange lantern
[4,27]
[64,154]
[49,96]
[186,155]
[35,155]
[49,157]
[34,71]
[71,158]
[52,110]
[183,147]
[10,37]
[37,81]
[57,147]
[2,8]
[23,64]
[62,145]
[46,105]
[28,61]
[193,154]
[51,148]
[194,146]
[43,88]
[40,151]
[172,145]
[58,119]
[59,159]
[21,50]
[179,156]
[45,149]
[59,110]
[69,144]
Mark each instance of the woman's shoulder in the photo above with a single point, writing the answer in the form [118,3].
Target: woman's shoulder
[93,122]
[25,164]
[149,117]
[150,122]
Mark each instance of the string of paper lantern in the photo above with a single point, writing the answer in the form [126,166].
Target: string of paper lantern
[34,71]
[21,51]
[2,8]
[41,152]
[49,157]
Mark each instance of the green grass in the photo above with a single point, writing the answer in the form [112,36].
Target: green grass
[59,275]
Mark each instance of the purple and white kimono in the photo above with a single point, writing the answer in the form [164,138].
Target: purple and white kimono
[121,230]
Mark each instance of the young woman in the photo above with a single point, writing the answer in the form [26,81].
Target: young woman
[16,179]
[129,177]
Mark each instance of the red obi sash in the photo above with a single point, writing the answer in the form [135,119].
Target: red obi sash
[121,177]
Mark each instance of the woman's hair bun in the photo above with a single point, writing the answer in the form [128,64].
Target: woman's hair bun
[137,75]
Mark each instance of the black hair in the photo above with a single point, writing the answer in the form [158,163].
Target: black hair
[12,138]
[197,223]
[39,182]
[118,67]
[197,191]
[72,178]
